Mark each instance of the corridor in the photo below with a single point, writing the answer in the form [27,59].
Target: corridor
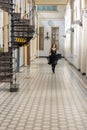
[45,101]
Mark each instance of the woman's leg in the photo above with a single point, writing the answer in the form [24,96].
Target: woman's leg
[53,68]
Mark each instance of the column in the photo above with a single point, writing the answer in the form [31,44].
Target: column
[84,43]
[25,55]
[79,35]
[5,32]
[25,47]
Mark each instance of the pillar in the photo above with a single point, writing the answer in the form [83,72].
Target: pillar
[5,32]
[78,35]
[84,42]
[25,55]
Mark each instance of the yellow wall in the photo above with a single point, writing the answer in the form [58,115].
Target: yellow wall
[5,32]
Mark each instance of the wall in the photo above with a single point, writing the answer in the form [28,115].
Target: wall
[78,55]
[47,28]
[74,40]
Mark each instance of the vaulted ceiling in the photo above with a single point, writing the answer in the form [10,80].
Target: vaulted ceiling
[51,2]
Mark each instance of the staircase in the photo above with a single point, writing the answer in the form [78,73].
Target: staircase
[6,70]
[21,33]
[6,59]
[6,5]
[6,67]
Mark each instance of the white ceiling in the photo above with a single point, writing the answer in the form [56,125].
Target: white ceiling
[53,14]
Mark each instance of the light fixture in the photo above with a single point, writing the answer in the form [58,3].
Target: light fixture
[64,36]
[70,30]
[78,22]
[50,23]
[47,37]
[84,12]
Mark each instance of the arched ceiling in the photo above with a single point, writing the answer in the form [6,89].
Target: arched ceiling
[51,2]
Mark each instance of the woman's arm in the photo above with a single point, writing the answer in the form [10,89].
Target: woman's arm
[58,52]
[50,52]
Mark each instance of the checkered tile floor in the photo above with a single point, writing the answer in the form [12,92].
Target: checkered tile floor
[45,101]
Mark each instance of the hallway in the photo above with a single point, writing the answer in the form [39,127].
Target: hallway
[45,101]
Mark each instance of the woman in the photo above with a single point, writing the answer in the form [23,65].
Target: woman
[53,57]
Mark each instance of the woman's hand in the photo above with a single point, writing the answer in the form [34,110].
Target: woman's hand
[49,54]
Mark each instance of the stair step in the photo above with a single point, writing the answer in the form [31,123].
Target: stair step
[7,80]
[4,64]
[6,71]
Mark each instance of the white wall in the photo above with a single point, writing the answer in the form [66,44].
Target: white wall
[78,55]
[73,43]
[47,28]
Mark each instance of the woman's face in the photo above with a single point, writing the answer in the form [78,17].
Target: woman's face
[54,45]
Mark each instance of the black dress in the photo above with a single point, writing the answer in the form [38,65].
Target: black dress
[53,58]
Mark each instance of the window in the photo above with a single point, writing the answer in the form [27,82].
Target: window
[46,8]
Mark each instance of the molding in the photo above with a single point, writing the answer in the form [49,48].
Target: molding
[51,2]
[57,19]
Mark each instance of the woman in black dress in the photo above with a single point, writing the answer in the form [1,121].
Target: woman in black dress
[53,56]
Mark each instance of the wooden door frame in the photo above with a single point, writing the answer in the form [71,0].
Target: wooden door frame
[39,37]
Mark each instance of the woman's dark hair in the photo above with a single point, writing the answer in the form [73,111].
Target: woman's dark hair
[53,44]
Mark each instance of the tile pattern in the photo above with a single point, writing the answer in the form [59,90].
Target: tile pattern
[45,101]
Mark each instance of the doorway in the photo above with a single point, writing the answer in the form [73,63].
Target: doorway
[55,36]
[41,38]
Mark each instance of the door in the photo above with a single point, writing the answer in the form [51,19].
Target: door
[41,38]
[55,36]
[41,42]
